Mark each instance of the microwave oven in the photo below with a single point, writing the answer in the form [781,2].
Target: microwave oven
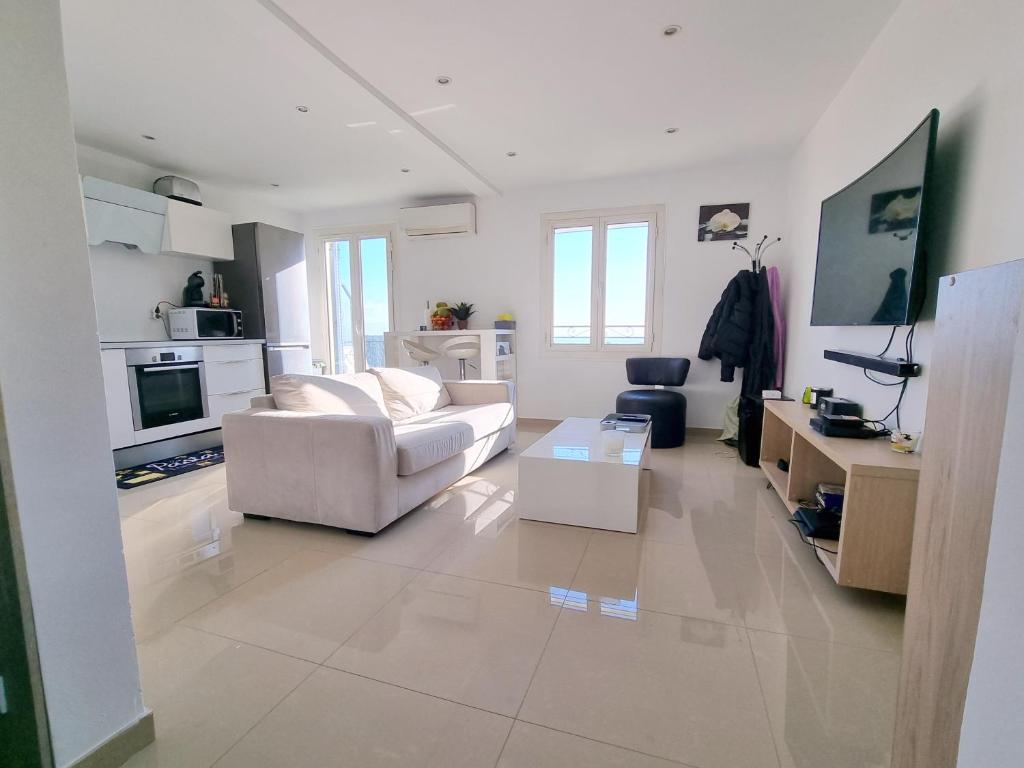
[205,323]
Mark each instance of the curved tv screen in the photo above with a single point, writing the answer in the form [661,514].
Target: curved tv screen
[870,270]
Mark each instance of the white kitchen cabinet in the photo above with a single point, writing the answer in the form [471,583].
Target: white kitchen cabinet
[223,353]
[119,407]
[193,230]
[236,401]
[233,376]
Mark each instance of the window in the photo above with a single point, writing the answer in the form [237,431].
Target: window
[358,299]
[600,275]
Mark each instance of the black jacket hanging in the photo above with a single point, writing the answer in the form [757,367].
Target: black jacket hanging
[759,374]
[740,332]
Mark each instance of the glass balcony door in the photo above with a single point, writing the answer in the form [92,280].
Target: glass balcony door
[359,300]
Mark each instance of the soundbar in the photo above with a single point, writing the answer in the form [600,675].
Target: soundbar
[888,365]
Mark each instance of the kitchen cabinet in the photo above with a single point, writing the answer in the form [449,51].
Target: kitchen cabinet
[193,230]
[119,407]
[233,373]
[234,376]
[234,401]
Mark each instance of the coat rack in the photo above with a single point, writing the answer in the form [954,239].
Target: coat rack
[759,250]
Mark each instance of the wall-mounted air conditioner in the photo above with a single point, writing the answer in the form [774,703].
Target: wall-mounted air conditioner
[438,220]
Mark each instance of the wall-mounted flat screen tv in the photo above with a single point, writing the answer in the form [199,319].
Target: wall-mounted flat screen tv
[871,267]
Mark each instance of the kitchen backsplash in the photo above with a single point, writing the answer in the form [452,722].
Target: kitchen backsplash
[128,284]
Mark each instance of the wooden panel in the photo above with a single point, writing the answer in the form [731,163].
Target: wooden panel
[877,534]
[808,467]
[977,329]
[776,438]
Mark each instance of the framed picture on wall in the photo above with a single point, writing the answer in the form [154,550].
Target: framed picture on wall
[728,221]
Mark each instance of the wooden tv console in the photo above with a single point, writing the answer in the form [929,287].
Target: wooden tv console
[873,551]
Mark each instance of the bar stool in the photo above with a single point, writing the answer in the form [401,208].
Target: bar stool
[420,352]
[461,348]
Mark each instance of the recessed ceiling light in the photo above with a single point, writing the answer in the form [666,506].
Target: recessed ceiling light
[302,108]
[147,137]
[395,131]
[443,80]
[511,154]
[405,170]
[671,29]
[671,130]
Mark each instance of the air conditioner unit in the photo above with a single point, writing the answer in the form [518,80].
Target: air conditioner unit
[438,220]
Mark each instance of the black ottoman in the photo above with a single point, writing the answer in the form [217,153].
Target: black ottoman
[666,408]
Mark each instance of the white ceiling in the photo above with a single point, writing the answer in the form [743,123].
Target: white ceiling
[578,88]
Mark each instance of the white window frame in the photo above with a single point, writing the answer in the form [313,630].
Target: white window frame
[599,219]
[353,236]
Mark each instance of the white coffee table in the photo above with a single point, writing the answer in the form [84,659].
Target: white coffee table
[565,477]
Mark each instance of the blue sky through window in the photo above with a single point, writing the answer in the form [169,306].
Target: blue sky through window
[625,302]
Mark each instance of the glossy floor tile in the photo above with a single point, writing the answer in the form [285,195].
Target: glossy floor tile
[531,746]
[523,553]
[206,692]
[829,704]
[469,641]
[678,688]
[464,636]
[338,719]
[305,607]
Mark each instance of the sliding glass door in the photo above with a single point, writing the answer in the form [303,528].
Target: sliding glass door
[359,299]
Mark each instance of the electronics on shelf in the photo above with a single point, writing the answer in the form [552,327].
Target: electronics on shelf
[844,426]
[838,406]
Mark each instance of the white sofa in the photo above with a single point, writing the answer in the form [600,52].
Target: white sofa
[361,450]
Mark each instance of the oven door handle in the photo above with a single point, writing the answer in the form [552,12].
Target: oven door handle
[158,368]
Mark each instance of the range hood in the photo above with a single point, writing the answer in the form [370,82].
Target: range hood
[132,217]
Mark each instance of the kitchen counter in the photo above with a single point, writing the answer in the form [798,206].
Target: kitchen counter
[177,343]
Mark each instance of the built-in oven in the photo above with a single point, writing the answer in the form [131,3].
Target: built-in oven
[167,385]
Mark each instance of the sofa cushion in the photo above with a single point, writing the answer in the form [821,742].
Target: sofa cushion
[411,391]
[482,420]
[420,446]
[356,394]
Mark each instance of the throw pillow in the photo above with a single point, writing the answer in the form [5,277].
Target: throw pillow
[409,392]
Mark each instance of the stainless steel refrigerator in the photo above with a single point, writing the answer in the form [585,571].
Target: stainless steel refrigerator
[267,281]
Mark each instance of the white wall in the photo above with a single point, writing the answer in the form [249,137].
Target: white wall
[965,59]
[129,283]
[60,480]
[499,270]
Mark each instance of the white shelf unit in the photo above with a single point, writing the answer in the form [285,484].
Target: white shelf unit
[493,362]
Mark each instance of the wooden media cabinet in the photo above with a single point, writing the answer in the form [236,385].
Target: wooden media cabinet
[873,550]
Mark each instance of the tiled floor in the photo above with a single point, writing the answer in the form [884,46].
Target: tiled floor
[463,636]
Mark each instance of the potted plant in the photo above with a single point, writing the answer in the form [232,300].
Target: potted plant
[462,312]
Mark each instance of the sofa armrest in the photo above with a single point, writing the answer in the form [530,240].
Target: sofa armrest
[315,467]
[480,391]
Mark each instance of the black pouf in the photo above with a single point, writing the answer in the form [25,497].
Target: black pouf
[666,408]
[667,411]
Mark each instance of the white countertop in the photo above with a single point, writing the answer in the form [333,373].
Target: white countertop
[176,343]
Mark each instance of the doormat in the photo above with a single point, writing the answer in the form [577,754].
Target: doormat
[144,474]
